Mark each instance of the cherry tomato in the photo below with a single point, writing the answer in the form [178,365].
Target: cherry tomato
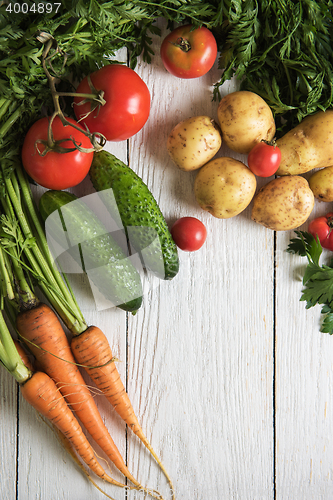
[56,170]
[264,159]
[189,233]
[189,53]
[323,228]
[127,102]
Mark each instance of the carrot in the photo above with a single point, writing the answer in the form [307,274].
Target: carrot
[22,224]
[24,355]
[91,349]
[43,394]
[65,438]
[68,447]
[42,331]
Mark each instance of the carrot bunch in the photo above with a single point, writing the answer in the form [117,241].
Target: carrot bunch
[43,394]
[25,256]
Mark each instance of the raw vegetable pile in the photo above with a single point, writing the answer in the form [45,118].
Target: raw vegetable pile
[285,58]
[280,50]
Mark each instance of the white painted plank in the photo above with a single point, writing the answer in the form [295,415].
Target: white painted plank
[304,385]
[200,351]
[8,440]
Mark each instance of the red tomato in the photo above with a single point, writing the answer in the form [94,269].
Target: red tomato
[264,159]
[56,170]
[189,54]
[189,233]
[322,227]
[127,102]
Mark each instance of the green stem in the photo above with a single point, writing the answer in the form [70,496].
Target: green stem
[25,294]
[66,291]
[25,298]
[63,302]
[26,229]
[31,209]
[28,299]
[4,105]
[10,122]
[92,97]
[182,44]
[70,320]
[97,140]
[9,355]
[7,289]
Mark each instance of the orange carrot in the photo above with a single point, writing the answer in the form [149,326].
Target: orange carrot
[24,355]
[66,438]
[42,331]
[43,394]
[91,349]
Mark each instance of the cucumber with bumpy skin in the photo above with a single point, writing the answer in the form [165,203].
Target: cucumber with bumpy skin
[92,247]
[128,198]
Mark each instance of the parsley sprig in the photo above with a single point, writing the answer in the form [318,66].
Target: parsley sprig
[317,279]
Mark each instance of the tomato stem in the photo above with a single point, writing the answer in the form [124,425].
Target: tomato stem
[98,97]
[183,44]
[97,140]
[330,221]
[272,142]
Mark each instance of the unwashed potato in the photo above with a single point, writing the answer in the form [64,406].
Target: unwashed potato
[321,184]
[307,146]
[224,187]
[284,203]
[194,142]
[245,119]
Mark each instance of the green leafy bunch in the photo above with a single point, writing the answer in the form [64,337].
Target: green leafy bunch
[281,50]
[87,34]
[317,279]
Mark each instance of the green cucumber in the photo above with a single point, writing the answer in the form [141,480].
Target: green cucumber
[92,247]
[130,202]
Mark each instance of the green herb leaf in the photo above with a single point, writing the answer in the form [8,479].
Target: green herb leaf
[306,245]
[317,279]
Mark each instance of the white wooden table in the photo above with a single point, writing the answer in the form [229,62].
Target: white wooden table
[227,371]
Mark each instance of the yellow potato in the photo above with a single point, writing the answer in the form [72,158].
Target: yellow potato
[224,187]
[284,203]
[245,119]
[321,184]
[307,146]
[194,142]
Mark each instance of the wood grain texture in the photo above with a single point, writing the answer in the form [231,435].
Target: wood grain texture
[201,348]
[304,385]
[226,369]
[8,435]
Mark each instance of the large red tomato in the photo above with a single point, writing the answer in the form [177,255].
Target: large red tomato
[56,170]
[127,102]
[189,53]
